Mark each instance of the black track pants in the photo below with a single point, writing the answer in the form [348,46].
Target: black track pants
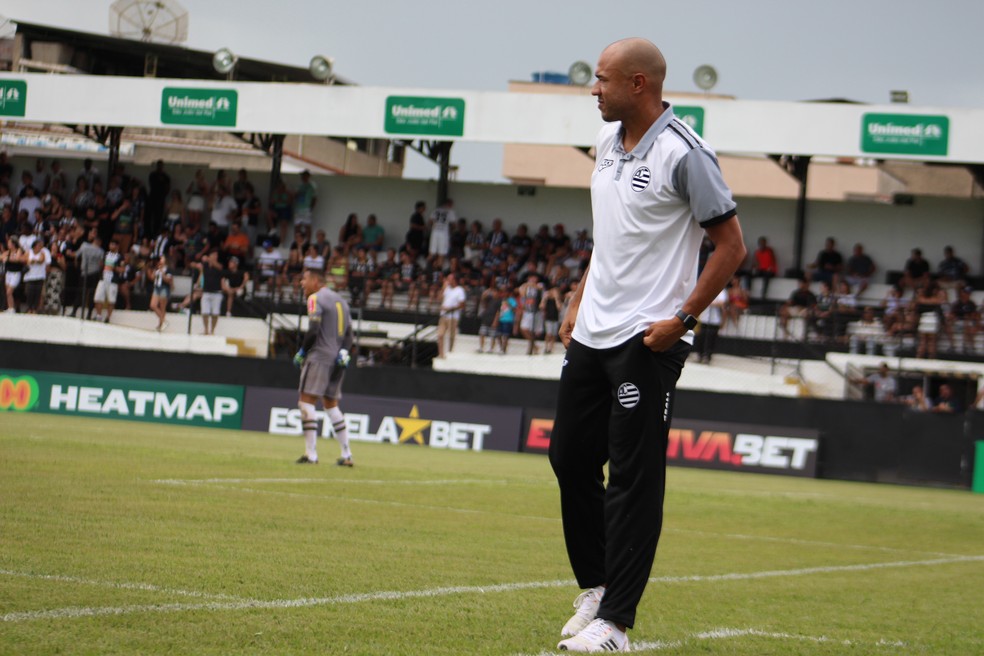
[614,406]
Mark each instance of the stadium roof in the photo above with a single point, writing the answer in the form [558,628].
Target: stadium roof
[100,54]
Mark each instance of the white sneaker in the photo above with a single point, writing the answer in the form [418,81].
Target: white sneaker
[585,609]
[598,636]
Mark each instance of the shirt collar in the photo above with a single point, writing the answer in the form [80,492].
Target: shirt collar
[650,137]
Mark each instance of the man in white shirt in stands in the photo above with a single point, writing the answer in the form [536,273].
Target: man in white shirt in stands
[452,302]
[38,261]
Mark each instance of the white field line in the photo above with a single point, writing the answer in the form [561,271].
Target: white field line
[142,587]
[725,634]
[213,482]
[392,595]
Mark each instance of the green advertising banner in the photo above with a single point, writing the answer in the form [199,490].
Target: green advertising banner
[13,98]
[158,401]
[444,117]
[905,134]
[692,116]
[214,107]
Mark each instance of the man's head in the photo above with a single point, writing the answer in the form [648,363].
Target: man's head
[114,246]
[233,263]
[630,76]
[312,280]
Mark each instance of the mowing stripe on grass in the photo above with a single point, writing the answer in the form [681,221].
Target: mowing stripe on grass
[144,587]
[812,543]
[391,595]
[725,634]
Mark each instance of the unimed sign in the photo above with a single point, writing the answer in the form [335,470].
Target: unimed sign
[196,106]
[439,117]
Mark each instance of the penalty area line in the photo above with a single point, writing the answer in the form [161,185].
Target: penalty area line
[249,604]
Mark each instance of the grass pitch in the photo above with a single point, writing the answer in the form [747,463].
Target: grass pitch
[127,538]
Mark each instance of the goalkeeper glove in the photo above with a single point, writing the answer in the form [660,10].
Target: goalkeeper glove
[299,358]
[343,359]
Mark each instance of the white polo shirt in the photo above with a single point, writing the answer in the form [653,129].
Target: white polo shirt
[649,207]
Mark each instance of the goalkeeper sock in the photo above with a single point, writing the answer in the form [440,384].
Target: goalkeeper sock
[337,420]
[309,423]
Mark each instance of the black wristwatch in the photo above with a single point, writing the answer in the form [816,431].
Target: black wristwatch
[689,320]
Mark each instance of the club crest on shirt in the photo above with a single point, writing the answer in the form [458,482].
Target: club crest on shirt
[641,178]
[605,163]
[628,395]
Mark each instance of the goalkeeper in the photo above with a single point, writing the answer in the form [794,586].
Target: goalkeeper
[323,357]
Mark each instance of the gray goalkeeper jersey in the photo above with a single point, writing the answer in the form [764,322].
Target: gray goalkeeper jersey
[330,316]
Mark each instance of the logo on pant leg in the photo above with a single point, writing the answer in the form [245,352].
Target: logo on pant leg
[628,395]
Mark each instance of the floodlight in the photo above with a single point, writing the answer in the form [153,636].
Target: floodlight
[321,68]
[224,61]
[579,73]
[705,77]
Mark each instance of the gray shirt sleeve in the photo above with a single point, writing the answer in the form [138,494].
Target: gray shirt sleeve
[698,178]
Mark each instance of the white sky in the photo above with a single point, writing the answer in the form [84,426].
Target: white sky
[762,49]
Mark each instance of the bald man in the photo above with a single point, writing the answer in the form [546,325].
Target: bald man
[656,190]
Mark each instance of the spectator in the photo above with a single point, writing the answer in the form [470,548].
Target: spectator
[883,384]
[361,272]
[281,211]
[268,266]
[212,275]
[521,244]
[441,220]
[952,271]
[108,287]
[917,399]
[175,213]
[498,237]
[946,402]
[414,241]
[764,266]
[801,304]
[224,209]
[197,192]
[89,172]
[350,234]
[249,214]
[305,199]
[550,309]
[893,306]
[829,263]
[505,320]
[737,303]
[373,235]
[337,270]
[488,308]
[530,320]
[159,184]
[292,270]
[313,259]
[452,303]
[234,283]
[916,271]
[322,244]
[710,323]
[14,259]
[459,235]
[163,279]
[963,316]
[868,330]
[389,276]
[236,243]
[240,187]
[928,304]
[475,243]
[860,268]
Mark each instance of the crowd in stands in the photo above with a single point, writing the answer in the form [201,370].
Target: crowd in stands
[82,241]
[924,307]
[85,241]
